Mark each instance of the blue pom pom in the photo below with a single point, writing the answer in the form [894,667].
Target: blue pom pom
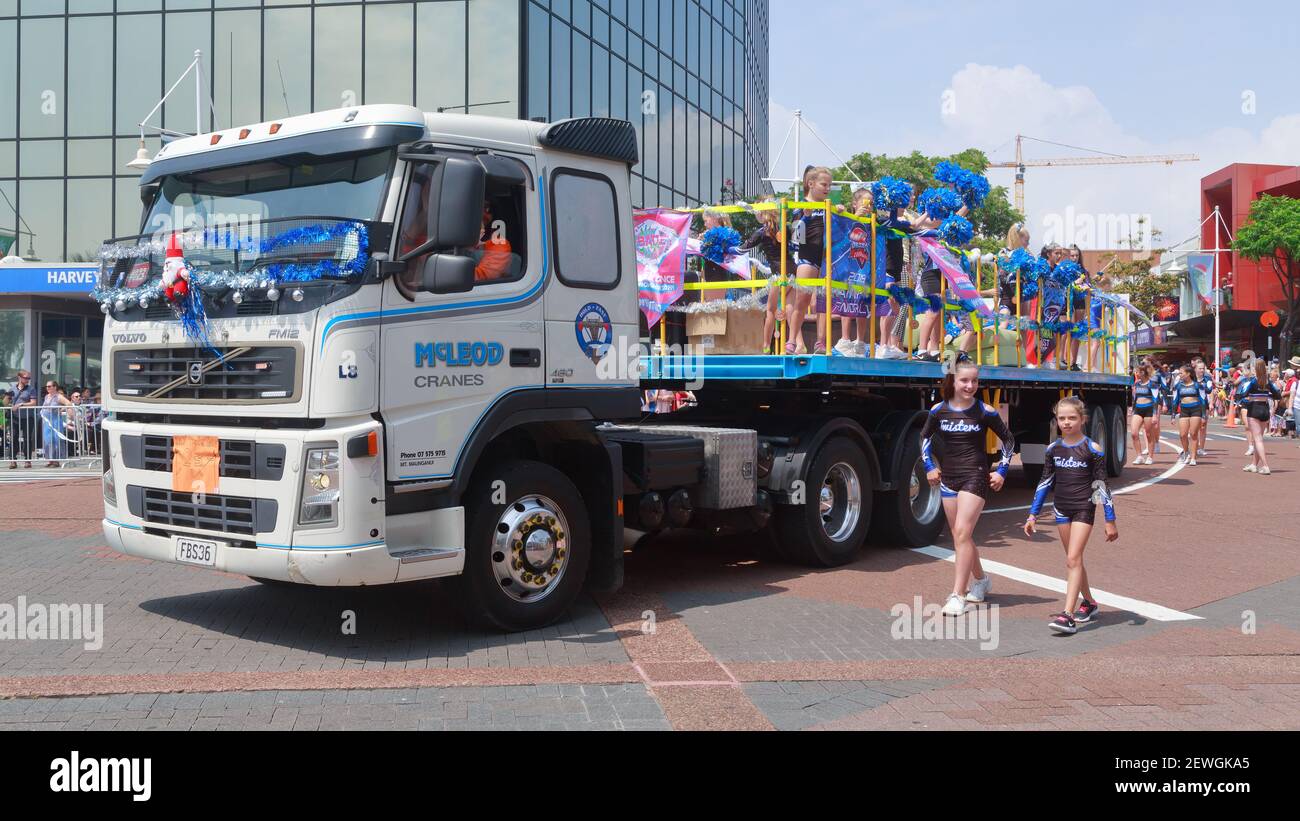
[948,172]
[973,188]
[939,203]
[1028,290]
[718,242]
[891,193]
[1067,271]
[952,329]
[956,230]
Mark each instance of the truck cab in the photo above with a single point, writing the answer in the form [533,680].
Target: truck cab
[404,320]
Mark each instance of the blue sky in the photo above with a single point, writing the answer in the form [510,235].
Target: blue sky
[1126,78]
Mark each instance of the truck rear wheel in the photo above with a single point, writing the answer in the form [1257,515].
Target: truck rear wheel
[912,515]
[1117,453]
[830,526]
[1099,427]
[526,556]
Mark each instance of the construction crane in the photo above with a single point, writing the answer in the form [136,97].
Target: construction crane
[1106,159]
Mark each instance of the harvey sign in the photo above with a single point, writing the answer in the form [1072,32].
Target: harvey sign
[38,278]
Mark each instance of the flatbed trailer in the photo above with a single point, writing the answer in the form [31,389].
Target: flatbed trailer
[389,415]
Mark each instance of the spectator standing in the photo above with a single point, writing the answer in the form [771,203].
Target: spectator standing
[52,423]
[23,419]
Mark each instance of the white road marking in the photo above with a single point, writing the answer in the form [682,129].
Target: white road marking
[1142,608]
[1174,468]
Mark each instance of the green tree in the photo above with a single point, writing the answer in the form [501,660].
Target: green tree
[1272,232]
[1137,277]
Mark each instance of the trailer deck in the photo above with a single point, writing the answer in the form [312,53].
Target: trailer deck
[822,369]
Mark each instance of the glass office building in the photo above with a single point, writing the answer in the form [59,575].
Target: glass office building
[78,76]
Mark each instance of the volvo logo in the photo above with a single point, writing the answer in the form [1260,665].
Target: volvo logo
[196,373]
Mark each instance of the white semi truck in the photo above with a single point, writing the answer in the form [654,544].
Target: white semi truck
[381,397]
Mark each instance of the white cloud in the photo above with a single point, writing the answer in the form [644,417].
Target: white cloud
[991,104]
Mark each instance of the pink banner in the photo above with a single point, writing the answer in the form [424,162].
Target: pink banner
[660,238]
[959,281]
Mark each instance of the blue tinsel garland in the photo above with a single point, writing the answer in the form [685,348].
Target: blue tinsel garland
[718,242]
[891,193]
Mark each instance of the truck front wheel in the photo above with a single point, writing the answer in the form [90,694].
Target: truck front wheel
[830,525]
[528,545]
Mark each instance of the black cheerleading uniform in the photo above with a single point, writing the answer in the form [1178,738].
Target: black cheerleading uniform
[964,464]
[1146,399]
[1187,400]
[810,238]
[1254,398]
[1207,391]
[1076,475]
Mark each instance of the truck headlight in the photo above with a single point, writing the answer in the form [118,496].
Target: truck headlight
[321,483]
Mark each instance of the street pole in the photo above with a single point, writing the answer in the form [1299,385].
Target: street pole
[1217,295]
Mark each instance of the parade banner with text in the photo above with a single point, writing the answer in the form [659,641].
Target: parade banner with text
[660,238]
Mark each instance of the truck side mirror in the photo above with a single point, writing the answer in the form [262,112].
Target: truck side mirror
[447,274]
[458,219]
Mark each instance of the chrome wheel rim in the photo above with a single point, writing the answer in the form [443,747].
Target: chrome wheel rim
[924,499]
[530,548]
[840,502]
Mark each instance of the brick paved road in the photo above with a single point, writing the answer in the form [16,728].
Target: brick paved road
[739,641]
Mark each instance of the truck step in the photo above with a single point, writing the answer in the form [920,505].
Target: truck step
[424,554]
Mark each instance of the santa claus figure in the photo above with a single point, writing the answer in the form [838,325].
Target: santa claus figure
[176,275]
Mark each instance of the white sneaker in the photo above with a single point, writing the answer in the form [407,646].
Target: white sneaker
[1264,471]
[894,352]
[844,347]
[1250,451]
[1251,468]
[859,349]
[1200,451]
[1031,366]
[1191,463]
[955,605]
[979,589]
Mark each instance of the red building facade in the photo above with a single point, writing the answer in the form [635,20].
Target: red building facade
[1254,285]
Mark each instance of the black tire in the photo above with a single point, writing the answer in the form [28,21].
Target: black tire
[1044,434]
[1117,453]
[800,532]
[480,588]
[1099,427]
[1032,474]
[896,519]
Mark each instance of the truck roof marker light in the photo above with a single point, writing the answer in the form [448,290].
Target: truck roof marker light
[216,138]
[274,394]
[244,132]
[262,366]
[275,128]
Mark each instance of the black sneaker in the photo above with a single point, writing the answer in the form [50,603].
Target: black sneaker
[1075,367]
[1086,611]
[921,356]
[1063,623]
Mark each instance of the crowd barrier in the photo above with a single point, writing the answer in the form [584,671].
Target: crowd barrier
[991,328]
[68,435]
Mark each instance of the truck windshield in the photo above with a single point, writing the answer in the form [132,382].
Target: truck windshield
[343,187]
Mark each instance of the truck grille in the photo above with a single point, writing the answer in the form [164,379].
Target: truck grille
[248,374]
[239,458]
[217,513]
